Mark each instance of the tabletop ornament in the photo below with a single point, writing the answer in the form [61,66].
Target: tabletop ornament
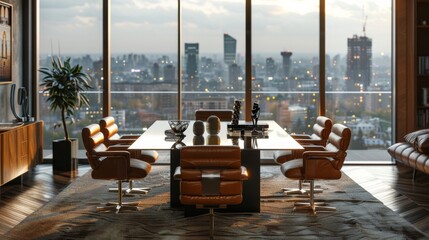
[255,116]
[198,128]
[236,113]
[213,125]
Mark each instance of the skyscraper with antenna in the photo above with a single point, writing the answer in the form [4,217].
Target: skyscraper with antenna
[359,61]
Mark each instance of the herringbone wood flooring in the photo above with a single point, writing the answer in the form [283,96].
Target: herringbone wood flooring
[395,189]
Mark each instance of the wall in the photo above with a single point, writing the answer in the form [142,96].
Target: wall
[17,60]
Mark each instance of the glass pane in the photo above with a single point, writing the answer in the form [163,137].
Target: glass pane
[285,38]
[213,55]
[358,72]
[144,62]
[71,29]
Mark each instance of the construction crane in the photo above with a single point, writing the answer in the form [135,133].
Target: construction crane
[364,20]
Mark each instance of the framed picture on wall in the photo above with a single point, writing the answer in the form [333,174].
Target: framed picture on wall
[6,42]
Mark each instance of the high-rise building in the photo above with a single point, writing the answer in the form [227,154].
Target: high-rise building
[229,49]
[286,63]
[359,62]
[169,73]
[270,68]
[191,65]
[286,66]
[234,72]
[155,72]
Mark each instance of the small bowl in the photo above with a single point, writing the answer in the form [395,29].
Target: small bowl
[178,127]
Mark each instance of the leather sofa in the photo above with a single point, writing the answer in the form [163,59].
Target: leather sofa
[414,151]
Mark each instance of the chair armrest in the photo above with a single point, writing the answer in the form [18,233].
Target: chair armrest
[300,136]
[118,148]
[114,164]
[310,141]
[115,153]
[318,154]
[121,141]
[133,137]
[319,165]
[313,148]
[177,174]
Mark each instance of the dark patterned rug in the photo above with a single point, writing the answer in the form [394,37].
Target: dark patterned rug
[72,215]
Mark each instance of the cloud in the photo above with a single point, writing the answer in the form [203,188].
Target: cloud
[277,24]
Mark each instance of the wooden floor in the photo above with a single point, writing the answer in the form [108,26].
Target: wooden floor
[394,188]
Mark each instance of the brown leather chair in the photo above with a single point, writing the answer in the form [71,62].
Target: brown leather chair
[222,114]
[111,138]
[112,164]
[320,163]
[210,177]
[321,130]
[110,131]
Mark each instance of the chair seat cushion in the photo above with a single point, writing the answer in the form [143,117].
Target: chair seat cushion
[149,156]
[138,169]
[282,156]
[292,169]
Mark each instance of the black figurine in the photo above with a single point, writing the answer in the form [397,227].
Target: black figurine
[255,114]
[236,114]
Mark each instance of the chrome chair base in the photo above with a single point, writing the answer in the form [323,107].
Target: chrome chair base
[311,204]
[131,189]
[314,209]
[300,190]
[116,207]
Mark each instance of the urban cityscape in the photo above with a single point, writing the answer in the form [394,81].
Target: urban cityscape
[144,88]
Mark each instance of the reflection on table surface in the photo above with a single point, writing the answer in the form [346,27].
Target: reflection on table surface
[275,138]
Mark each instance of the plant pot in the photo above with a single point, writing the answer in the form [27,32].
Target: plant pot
[64,155]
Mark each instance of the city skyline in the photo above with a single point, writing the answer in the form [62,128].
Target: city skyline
[286,25]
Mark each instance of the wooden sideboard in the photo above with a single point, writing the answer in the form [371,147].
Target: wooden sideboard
[21,150]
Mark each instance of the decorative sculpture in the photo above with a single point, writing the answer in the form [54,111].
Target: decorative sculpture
[22,100]
[213,125]
[236,114]
[198,128]
[255,114]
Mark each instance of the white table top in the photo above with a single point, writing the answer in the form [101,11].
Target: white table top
[154,138]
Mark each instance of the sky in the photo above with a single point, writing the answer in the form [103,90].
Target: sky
[150,26]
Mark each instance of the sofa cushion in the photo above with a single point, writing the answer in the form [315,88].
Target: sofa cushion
[422,143]
[411,138]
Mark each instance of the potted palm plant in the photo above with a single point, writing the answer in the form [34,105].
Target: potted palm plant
[65,85]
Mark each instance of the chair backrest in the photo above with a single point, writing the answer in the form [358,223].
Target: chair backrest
[222,114]
[322,129]
[93,140]
[208,171]
[339,141]
[109,128]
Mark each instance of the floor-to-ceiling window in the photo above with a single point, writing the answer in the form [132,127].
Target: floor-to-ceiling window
[358,73]
[285,61]
[71,29]
[213,55]
[143,62]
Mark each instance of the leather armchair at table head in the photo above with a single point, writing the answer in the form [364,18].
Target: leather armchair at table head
[324,163]
[108,164]
[210,177]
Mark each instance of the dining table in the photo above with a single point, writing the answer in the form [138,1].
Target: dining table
[252,139]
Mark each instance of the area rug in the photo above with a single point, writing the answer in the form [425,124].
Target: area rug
[72,215]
